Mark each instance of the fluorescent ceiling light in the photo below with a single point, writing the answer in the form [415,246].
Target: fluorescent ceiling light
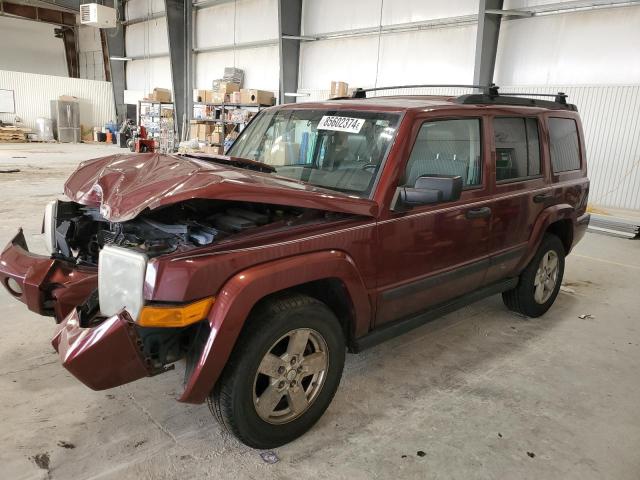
[121,59]
[290,94]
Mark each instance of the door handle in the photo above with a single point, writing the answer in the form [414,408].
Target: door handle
[483,212]
[542,197]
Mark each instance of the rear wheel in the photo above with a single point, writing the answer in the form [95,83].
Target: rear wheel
[283,373]
[540,281]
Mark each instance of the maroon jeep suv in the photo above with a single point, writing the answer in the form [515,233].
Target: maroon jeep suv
[330,226]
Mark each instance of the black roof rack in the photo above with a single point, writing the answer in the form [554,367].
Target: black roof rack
[487,89]
[516,99]
[489,96]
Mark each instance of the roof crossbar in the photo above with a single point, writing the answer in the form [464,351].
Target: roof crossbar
[559,97]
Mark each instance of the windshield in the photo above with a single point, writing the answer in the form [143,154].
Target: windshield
[339,150]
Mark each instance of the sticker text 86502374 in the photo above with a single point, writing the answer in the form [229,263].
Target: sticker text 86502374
[341,124]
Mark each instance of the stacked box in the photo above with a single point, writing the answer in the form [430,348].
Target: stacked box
[256,97]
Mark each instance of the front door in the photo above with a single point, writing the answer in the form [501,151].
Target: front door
[433,253]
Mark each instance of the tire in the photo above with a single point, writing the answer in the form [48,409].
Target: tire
[524,298]
[236,400]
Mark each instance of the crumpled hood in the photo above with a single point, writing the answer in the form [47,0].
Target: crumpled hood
[124,185]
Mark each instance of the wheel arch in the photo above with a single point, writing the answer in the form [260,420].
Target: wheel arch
[318,274]
[557,219]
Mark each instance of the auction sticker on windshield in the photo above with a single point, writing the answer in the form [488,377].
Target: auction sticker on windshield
[341,124]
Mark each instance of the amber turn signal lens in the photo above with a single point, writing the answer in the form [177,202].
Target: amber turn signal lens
[154,316]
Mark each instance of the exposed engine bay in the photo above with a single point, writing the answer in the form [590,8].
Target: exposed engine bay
[79,232]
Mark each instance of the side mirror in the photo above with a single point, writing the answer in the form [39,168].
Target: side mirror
[430,189]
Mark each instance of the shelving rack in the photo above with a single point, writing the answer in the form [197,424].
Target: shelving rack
[219,109]
[157,118]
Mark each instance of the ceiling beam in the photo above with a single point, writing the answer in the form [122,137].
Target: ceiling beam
[38,14]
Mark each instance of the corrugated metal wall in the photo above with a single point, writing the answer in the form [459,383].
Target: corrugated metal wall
[33,93]
[611,122]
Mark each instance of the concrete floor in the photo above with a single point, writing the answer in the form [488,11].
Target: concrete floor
[482,392]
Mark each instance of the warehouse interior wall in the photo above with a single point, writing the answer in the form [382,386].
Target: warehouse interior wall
[33,94]
[254,20]
[585,47]
[31,47]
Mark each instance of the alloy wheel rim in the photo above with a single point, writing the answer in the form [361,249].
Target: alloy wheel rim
[546,277]
[290,376]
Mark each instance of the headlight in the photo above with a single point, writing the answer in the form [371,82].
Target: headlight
[50,213]
[121,275]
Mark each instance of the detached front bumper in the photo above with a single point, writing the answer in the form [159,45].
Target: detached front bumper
[104,356]
[46,285]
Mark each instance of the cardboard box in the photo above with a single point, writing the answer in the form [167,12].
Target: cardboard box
[235,97]
[223,87]
[218,97]
[257,97]
[200,95]
[285,153]
[217,137]
[160,95]
[339,89]
[203,131]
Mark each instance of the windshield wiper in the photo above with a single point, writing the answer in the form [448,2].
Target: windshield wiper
[234,161]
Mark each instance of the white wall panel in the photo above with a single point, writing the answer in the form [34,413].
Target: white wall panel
[147,38]
[29,46]
[135,9]
[352,60]
[33,94]
[148,74]
[589,47]
[260,65]
[443,55]
[321,16]
[406,11]
[254,19]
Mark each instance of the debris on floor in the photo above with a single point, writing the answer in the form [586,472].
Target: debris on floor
[420,453]
[10,170]
[531,454]
[42,460]
[566,289]
[586,316]
[63,444]
[269,457]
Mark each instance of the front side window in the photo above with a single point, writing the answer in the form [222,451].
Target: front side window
[564,145]
[334,149]
[447,147]
[517,148]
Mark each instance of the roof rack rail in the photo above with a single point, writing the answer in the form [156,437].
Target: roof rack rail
[490,96]
[559,100]
[487,89]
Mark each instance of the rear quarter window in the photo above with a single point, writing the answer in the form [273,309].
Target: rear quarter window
[563,144]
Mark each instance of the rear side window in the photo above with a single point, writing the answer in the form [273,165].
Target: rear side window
[517,148]
[564,145]
[447,147]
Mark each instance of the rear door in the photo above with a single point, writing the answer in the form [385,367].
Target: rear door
[433,253]
[519,179]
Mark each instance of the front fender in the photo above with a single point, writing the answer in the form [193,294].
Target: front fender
[239,295]
[554,213]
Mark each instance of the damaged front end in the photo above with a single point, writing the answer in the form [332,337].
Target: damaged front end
[97,285]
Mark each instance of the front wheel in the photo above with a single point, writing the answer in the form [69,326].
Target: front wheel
[283,373]
[540,281]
